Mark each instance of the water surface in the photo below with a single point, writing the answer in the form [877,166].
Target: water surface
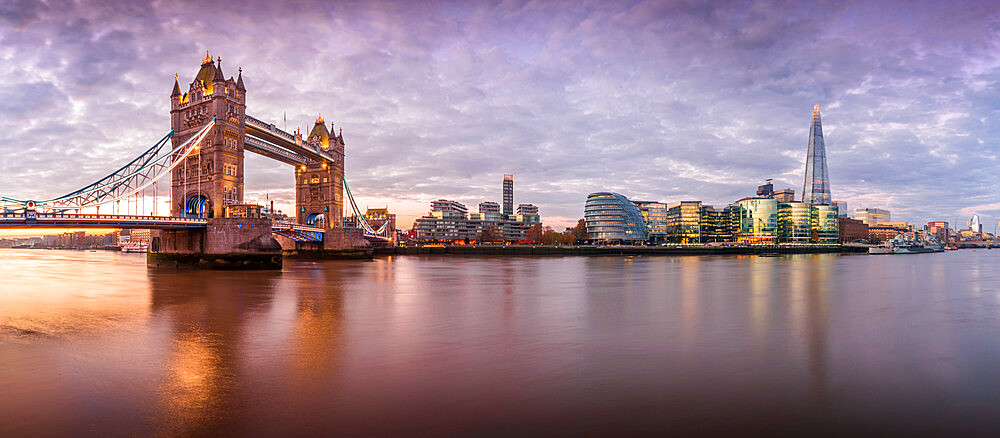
[94,343]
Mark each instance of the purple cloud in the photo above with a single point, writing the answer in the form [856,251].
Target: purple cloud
[656,100]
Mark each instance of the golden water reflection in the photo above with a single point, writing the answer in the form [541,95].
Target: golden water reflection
[467,346]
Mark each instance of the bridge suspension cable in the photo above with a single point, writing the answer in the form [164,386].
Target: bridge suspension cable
[382,231]
[131,179]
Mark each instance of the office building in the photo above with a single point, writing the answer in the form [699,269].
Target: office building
[940,230]
[872,216]
[825,224]
[684,222]
[655,214]
[611,217]
[852,230]
[755,220]
[974,224]
[816,188]
[716,225]
[795,222]
[766,190]
[842,210]
[784,195]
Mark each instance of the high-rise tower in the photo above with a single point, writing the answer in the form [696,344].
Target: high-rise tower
[508,195]
[816,189]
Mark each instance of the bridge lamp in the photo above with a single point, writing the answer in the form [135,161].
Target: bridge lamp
[324,164]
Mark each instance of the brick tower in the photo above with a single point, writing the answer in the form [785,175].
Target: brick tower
[319,187]
[213,177]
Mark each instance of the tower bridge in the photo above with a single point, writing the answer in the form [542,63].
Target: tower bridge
[204,164]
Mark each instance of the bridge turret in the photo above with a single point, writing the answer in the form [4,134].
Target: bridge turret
[213,178]
[239,81]
[319,135]
[175,95]
[219,77]
[177,88]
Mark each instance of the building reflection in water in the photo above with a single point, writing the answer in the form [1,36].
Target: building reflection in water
[204,315]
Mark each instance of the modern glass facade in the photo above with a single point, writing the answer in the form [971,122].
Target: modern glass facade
[655,214]
[715,225]
[794,222]
[825,224]
[873,216]
[757,220]
[612,217]
[816,188]
[684,222]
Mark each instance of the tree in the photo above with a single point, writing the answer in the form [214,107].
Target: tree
[567,238]
[489,234]
[580,231]
[548,236]
[534,234]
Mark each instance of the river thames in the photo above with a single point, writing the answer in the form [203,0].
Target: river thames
[94,343]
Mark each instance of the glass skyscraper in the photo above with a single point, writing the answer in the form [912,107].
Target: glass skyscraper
[816,189]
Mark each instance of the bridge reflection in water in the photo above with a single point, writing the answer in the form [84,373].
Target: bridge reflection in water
[409,346]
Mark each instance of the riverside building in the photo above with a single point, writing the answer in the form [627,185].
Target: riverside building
[756,220]
[450,221]
[655,214]
[611,217]
[872,216]
[684,222]
[795,222]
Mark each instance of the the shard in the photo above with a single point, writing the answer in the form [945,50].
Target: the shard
[816,189]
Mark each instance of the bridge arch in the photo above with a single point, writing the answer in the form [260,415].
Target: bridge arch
[317,220]
[197,206]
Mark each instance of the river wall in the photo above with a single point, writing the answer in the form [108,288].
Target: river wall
[548,250]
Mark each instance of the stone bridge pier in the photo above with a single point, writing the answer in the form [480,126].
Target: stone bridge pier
[225,243]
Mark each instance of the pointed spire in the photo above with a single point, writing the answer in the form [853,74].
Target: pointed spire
[239,80]
[219,77]
[177,87]
[319,120]
[207,59]
[816,113]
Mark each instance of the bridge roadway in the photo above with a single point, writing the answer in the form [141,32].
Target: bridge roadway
[266,139]
[294,231]
[70,220]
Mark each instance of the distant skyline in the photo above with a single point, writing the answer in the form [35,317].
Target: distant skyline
[663,101]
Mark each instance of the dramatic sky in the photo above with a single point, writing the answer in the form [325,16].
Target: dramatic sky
[657,100]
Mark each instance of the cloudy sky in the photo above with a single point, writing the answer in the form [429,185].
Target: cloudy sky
[657,100]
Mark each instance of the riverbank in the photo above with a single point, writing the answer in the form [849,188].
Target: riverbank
[567,250]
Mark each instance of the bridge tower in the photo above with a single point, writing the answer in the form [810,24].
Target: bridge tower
[212,178]
[319,186]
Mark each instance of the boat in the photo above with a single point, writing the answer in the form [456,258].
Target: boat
[901,245]
[136,247]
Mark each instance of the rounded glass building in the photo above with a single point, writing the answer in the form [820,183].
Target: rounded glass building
[611,217]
